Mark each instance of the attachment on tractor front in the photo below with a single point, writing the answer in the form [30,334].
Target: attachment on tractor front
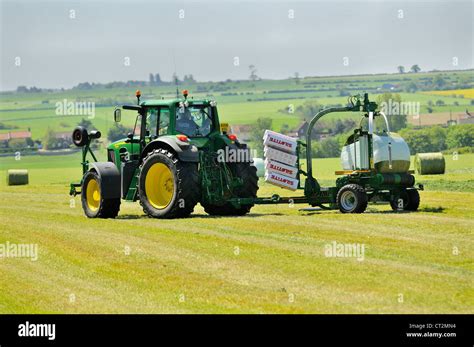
[81,138]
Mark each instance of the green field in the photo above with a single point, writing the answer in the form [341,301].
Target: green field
[271,261]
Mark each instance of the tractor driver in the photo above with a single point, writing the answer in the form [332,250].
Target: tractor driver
[185,123]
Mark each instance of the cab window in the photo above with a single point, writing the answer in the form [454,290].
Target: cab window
[151,122]
[164,121]
[194,120]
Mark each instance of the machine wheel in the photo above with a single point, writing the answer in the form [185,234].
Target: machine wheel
[248,174]
[168,187]
[352,199]
[410,198]
[79,136]
[93,204]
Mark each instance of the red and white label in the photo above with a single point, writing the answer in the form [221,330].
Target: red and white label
[279,141]
[281,181]
[282,169]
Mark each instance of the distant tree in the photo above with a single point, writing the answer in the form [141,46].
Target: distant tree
[411,87]
[117,132]
[401,69]
[256,134]
[297,77]
[85,123]
[49,139]
[308,109]
[460,136]
[440,103]
[338,127]
[429,109]
[439,81]
[326,148]
[158,80]
[415,68]
[253,73]
[189,79]
[390,104]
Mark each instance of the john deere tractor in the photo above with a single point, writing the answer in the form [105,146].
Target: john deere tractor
[174,158]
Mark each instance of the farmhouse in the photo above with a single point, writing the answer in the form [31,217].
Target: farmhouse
[300,132]
[17,136]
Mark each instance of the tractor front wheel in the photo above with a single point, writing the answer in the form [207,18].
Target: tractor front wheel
[168,187]
[352,199]
[93,203]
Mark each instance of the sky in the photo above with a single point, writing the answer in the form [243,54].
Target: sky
[58,44]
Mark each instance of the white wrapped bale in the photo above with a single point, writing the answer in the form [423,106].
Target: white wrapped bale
[282,157]
[279,141]
[281,181]
[282,169]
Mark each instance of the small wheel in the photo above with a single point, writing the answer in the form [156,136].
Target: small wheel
[352,199]
[407,200]
[80,136]
[93,204]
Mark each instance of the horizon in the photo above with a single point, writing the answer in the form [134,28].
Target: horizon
[238,80]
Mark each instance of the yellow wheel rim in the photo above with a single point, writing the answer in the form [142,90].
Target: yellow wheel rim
[93,195]
[159,185]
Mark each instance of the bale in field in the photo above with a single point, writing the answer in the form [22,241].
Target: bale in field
[17,177]
[430,163]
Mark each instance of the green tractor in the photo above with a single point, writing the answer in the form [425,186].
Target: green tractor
[173,159]
[180,154]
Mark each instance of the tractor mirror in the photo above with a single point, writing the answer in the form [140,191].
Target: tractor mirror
[117,115]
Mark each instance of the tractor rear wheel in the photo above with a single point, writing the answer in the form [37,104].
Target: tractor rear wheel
[168,187]
[93,203]
[408,200]
[249,188]
[352,199]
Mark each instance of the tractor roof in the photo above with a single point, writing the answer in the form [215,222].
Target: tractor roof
[168,102]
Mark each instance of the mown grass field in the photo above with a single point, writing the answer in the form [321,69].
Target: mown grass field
[271,261]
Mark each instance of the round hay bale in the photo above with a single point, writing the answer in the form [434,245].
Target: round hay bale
[17,177]
[260,165]
[430,163]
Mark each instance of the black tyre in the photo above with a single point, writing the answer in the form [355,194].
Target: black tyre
[352,199]
[407,200]
[80,136]
[168,187]
[248,174]
[93,204]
